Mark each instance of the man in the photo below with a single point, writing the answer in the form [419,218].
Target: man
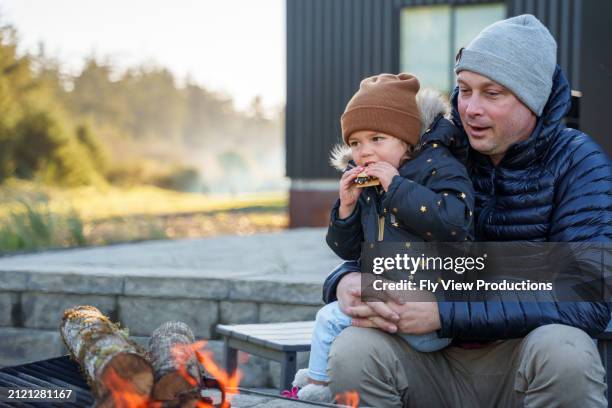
[535,180]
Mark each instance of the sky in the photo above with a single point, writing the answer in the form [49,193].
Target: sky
[236,47]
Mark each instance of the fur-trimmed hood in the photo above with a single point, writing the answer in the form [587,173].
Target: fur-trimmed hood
[431,105]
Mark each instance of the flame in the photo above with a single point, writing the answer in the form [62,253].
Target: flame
[349,398]
[228,382]
[124,393]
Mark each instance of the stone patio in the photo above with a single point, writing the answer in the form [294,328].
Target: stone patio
[270,277]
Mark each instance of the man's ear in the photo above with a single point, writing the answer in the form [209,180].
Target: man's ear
[459,54]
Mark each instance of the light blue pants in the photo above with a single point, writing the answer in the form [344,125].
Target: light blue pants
[331,321]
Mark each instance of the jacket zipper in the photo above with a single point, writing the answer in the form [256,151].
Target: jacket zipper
[381,218]
[485,211]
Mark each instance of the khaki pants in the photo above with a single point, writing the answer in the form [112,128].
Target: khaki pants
[553,366]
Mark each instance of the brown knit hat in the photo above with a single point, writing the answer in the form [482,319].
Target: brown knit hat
[385,103]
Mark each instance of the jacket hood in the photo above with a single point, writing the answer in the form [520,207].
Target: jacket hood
[432,106]
[526,152]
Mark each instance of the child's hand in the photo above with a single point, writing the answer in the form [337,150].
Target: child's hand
[349,192]
[383,171]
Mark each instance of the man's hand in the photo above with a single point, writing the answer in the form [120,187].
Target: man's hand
[383,171]
[419,318]
[348,293]
[413,317]
[349,299]
[349,192]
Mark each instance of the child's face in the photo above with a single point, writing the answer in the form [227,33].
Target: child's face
[369,147]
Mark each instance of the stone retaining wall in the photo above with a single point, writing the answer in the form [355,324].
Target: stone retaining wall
[31,310]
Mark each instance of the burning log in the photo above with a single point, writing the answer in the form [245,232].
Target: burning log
[106,355]
[175,365]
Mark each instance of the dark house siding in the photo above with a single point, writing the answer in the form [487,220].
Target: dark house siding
[596,71]
[331,46]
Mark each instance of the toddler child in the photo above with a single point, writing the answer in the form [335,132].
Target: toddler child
[399,136]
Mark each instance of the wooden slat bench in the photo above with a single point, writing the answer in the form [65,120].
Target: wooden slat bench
[282,341]
[275,341]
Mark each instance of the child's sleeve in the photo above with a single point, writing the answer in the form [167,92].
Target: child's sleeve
[344,236]
[440,209]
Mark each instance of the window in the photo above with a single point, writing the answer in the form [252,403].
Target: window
[430,36]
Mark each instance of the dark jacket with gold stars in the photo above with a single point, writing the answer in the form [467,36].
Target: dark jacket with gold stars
[431,199]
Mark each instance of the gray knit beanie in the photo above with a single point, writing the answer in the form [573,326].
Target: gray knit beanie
[518,53]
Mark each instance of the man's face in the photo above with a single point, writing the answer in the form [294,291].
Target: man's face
[492,116]
[370,147]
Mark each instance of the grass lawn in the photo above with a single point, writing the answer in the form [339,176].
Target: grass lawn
[96,204]
[34,217]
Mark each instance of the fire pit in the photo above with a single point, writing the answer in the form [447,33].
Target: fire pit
[107,369]
[63,373]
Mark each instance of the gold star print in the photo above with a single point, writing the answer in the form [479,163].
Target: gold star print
[423,209]
[395,210]
[433,173]
[434,145]
[407,244]
[395,224]
[462,195]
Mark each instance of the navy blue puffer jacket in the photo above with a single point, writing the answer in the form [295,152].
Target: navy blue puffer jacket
[557,187]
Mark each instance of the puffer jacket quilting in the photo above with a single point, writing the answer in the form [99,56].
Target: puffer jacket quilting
[556,187]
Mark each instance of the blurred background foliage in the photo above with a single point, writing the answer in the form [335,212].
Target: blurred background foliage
[73,142]
[133,127]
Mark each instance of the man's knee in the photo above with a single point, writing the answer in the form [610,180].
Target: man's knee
[556,350]
[562,346]
[357,353]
